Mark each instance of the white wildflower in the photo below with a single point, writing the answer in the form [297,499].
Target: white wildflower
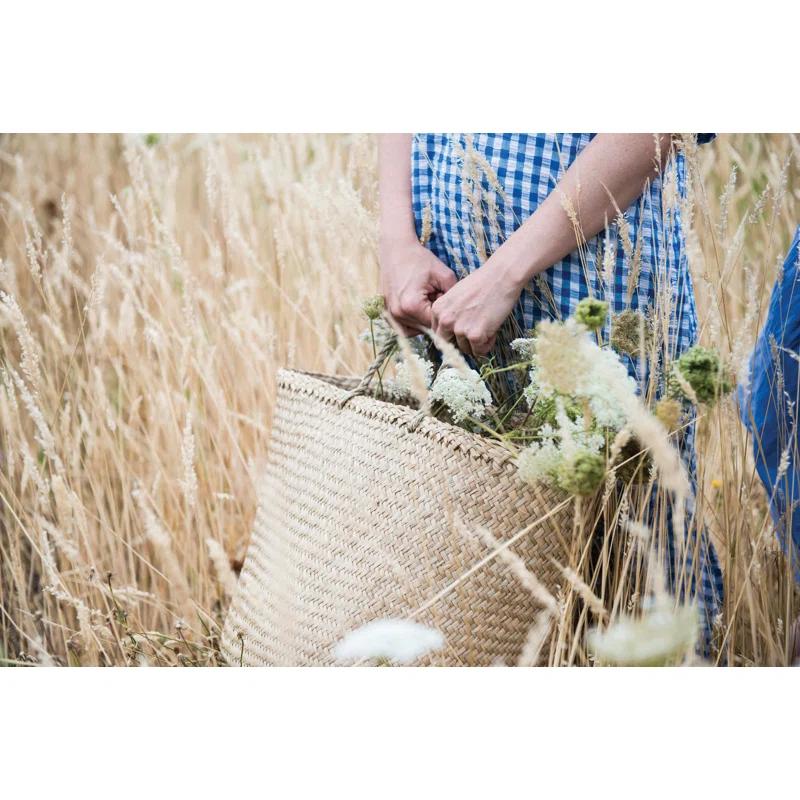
[568,361]
[560,355]
[575,436]
[567,433]
[412,370]
[608,387]
[664,635]
[524,348]
[539,461]
[464,395]
[542,459]
[397,640]
[533,391]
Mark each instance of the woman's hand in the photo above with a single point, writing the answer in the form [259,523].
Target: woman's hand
[412,278]
[473,311]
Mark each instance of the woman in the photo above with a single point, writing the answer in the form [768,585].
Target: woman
[480,228]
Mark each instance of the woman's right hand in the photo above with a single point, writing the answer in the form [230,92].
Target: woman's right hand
[412,278]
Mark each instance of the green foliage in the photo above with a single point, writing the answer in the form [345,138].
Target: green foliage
[543,411]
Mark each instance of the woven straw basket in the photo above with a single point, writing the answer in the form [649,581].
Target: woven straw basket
[365,512]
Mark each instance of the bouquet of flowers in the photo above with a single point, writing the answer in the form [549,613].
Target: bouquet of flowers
[577,414]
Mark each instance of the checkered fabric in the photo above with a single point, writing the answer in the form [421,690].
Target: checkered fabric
[470,192]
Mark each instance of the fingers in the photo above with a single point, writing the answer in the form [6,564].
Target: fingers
[474,343]
[407,327]
[442,321]
[413,314]
[471,337]
[407,331]
[444,279]
[464,345]
[483,346]
[412,288]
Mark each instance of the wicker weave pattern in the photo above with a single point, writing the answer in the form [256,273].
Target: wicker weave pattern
[355,522]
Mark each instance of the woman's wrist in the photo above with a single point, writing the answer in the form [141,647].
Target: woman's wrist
[395,242]
[514,269]
[522,257]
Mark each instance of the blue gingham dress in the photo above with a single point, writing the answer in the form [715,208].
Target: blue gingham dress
[470,192]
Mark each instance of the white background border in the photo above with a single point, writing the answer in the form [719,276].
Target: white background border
[398,733]
[398,65]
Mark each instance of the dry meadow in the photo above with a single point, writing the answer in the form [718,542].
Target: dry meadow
[150,287]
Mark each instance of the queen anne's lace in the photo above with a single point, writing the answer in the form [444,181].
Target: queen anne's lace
[568,367]
[664,635]
[404,374]
[465,395]
[400,641]
[568,361]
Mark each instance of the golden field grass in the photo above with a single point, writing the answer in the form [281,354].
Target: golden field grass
[151,287]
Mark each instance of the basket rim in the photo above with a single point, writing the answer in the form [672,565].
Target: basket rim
[472,444]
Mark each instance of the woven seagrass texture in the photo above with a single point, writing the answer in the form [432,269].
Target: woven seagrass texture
[357,521]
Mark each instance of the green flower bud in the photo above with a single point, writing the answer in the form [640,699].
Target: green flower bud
[592,313]
[373,306]
[582,473]
[704,371]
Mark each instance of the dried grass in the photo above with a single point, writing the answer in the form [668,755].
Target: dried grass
[149,294]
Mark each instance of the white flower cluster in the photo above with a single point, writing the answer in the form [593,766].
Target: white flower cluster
[463,392]
[406,372]
[524,348]
[533,391]
[608,387]
[568,366]
[663,636]
[542,459]
[567,360]
[399,641]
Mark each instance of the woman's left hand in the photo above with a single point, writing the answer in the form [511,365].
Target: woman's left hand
[475,308]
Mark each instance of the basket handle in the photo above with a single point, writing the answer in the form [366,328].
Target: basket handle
[380,359]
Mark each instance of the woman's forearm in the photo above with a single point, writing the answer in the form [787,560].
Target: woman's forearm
[607,176]
[394,185]
[412,277]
